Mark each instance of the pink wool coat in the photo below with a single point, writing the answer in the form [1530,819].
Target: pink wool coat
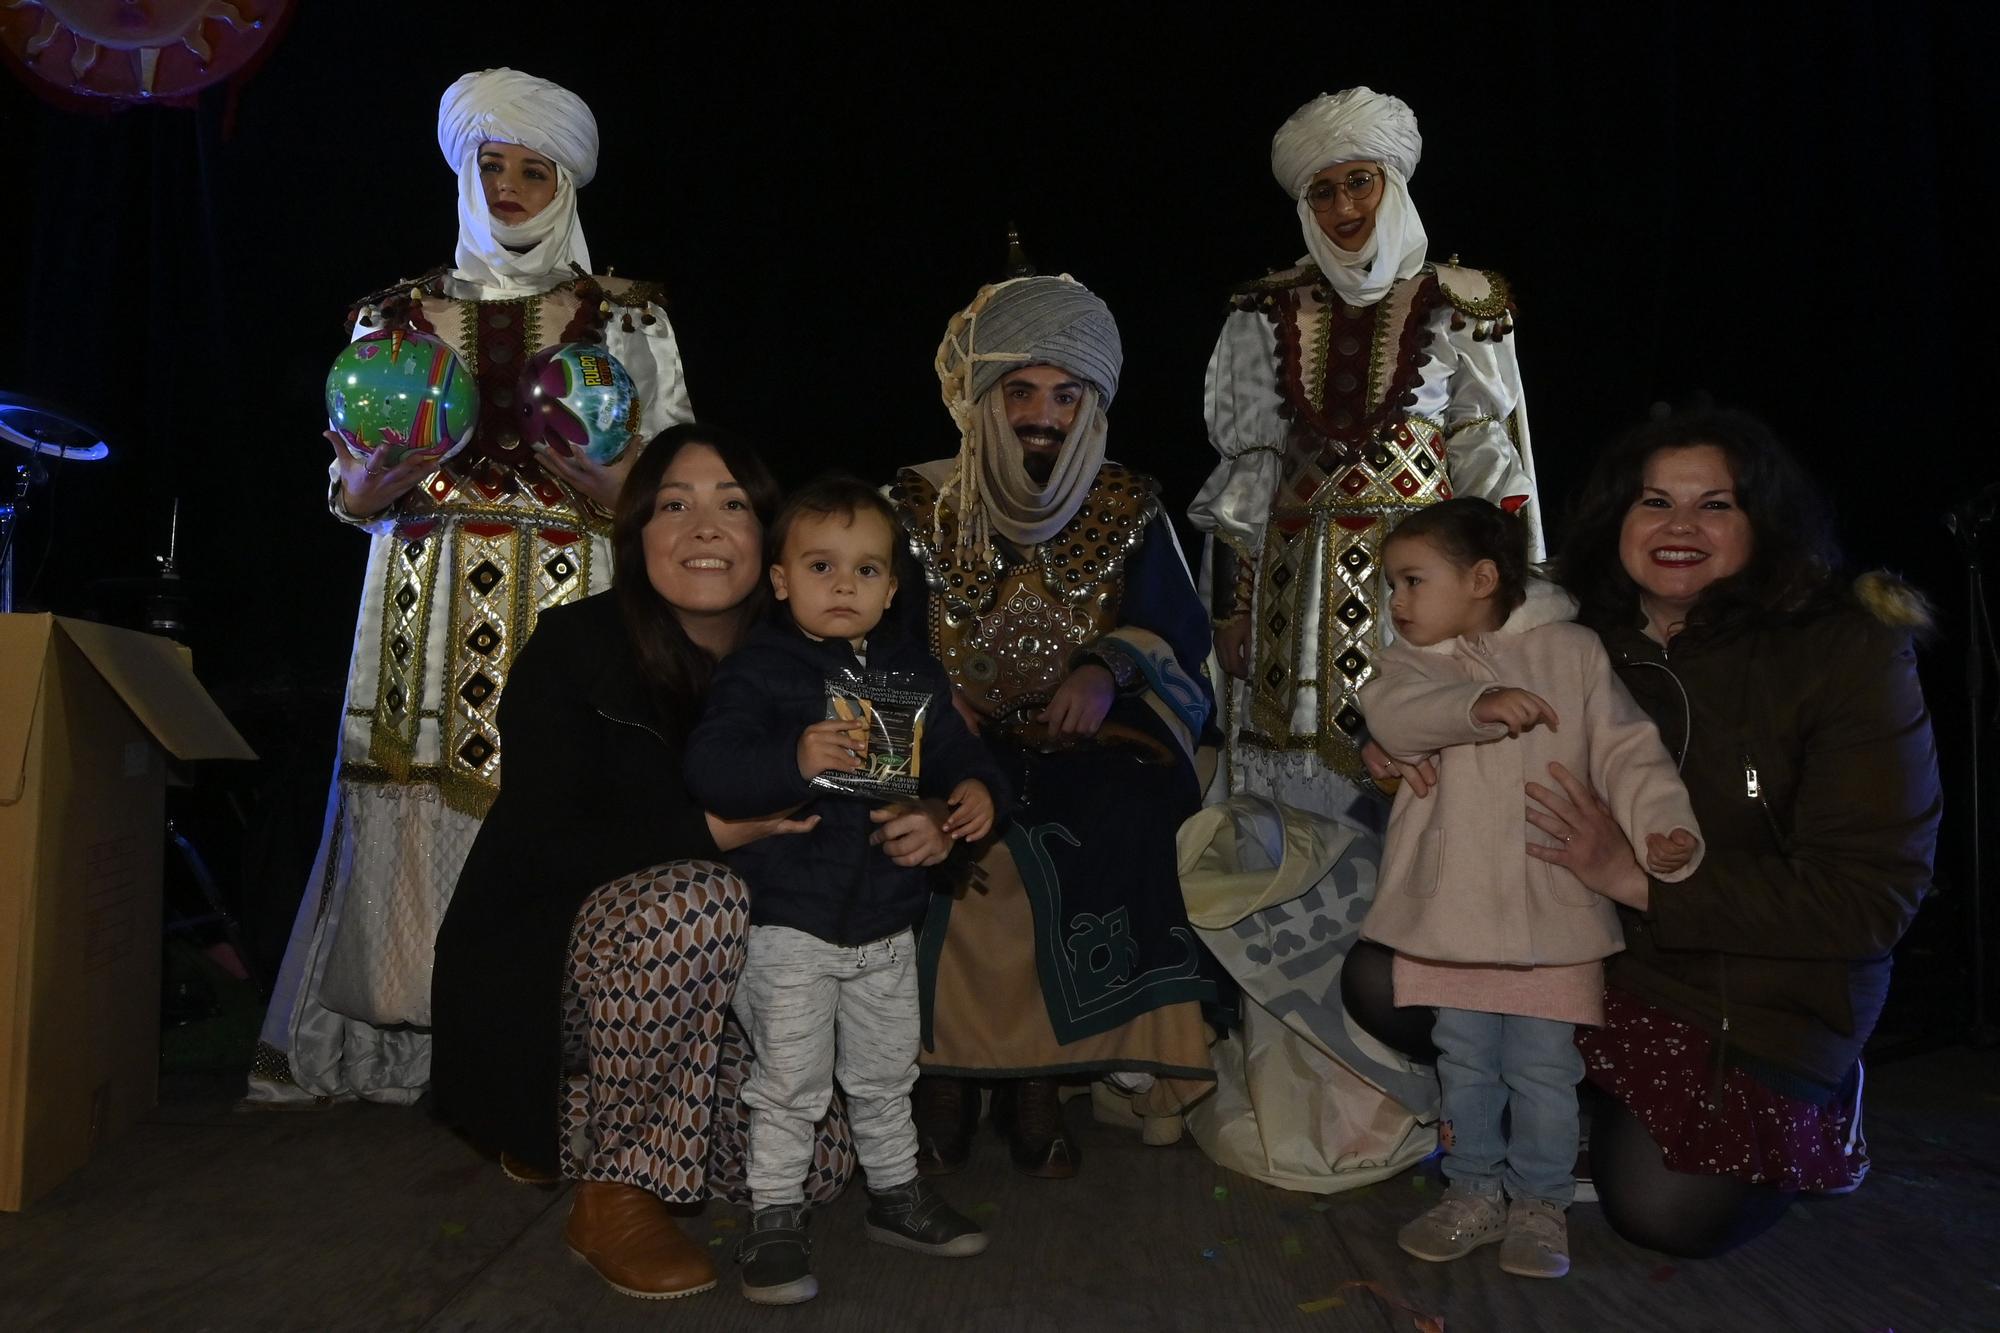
[1457,884]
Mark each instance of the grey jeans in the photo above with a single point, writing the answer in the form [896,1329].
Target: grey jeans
[816,1012]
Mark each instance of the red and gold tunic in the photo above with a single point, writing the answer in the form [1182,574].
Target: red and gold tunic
[459,570]
[465,564]
[1333,421]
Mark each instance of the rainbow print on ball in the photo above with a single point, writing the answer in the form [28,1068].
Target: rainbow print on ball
[403,392]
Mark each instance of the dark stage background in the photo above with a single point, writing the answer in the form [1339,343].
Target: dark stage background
[1765,204]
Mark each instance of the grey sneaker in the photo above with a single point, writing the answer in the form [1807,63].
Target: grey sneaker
[777,1257]
[1461,1222]
[915,1216]
[1537,1243]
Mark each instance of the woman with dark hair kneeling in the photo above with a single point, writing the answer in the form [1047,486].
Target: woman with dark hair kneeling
[1735,1018]
[584,969]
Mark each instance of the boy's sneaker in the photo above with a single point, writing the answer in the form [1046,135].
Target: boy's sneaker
[777,1257]
[1537,1243]
[1460,1223]
[915,1216]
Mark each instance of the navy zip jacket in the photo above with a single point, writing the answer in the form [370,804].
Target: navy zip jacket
[742,762]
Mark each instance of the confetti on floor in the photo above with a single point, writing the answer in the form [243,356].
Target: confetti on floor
[986,1209]
[1210,1253]
[714,1242]
[453,1228]
[1291,1247]
[1417,1183]
[1323,1303]
[725,1224]
[1425,1323]
[1221,1192]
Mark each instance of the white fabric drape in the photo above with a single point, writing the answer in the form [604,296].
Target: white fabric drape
[1395,248]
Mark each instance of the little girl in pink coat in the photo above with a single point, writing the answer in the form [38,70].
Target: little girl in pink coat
[1492,681]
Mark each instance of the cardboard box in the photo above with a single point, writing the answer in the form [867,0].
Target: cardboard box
[85,714]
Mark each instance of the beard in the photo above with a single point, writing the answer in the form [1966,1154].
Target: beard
[1039,462]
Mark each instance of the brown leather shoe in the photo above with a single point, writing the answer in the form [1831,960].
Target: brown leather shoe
[630,1238]
[1029,1112]
[946,1111]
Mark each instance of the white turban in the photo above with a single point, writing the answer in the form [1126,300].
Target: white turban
[507,106]
[1356,125]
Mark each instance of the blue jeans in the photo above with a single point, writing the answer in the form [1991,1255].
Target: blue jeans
[1526,1069]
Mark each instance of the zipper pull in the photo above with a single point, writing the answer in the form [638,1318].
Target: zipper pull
[1751,786]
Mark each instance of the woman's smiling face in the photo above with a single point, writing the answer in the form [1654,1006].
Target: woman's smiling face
[1685,531]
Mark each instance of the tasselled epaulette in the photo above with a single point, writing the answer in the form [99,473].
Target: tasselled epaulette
[389,306]
[631,297]
[1490,313]
[1257,294]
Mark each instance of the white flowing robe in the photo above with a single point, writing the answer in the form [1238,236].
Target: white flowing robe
[353,996]
[1305,1098]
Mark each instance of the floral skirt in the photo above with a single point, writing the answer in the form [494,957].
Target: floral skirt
[1663,1071]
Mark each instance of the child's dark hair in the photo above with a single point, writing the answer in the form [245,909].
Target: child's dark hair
[834,494]
[1469,530]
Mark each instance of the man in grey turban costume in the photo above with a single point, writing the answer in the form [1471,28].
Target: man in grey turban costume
[1056,597]
[463,558]
[1358,386]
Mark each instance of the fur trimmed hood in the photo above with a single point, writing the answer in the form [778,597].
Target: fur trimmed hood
[1895,603]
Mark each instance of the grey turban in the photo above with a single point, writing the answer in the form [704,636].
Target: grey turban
[507,106]
[1023,322]
[1045,321]
[1358,124]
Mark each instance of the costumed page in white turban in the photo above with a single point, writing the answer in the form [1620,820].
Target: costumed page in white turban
[506,106]
[1356,125]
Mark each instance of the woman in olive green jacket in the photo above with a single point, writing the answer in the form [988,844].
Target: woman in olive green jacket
[1736,1015]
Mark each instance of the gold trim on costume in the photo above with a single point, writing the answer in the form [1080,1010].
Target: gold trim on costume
[1005,629]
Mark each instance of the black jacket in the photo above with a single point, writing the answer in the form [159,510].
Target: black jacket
[592,792]
[742,761]
[1808,756]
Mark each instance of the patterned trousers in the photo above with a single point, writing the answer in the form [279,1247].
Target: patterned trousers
[654,1065]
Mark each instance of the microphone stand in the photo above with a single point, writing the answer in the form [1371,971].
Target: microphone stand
[1967,522]
[12,505]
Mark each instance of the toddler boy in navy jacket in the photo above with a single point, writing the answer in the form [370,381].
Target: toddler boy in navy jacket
[829,985]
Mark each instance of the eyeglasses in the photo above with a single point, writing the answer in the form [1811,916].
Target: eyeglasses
[1356,185]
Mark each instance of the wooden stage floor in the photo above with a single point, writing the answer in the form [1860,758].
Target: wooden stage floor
[364,1217]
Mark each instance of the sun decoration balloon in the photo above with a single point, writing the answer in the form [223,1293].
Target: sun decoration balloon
[404,392]
[159,50]
[577,399]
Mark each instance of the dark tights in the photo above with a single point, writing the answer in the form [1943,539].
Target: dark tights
[1366,990]
[1681,1214]
[1689,1216]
